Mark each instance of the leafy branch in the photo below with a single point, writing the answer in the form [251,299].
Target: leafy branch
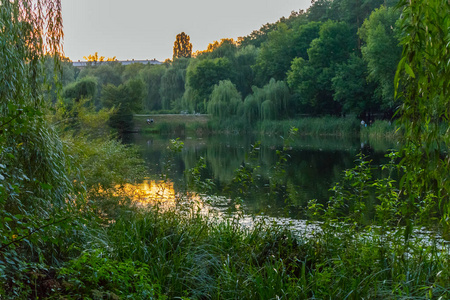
[15,241]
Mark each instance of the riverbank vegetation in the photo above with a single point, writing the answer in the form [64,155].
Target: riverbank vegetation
[184,124]
[282,71]
[70,231]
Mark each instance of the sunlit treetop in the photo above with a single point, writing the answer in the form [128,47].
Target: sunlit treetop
[95,58]
[182,46]
[29,30]
[224,45]
[44,29]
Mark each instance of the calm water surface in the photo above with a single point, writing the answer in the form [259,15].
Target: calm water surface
[313,165]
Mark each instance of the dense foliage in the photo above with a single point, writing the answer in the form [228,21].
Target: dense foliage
[69,231]
[336,58]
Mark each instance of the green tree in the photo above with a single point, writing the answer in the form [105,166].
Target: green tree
[252,109]
[224,48]
[351,88]
[65,75]
[354,12]
[25,154]
[379,33]
[35,193]
[85,88]
[319,10]
[257,37]
[282,46]
[270,102]
[201,77]
[182,46]
[105,74]
[312,79]
[127,99]
[152,77]
[225,100]
[422,81]
[274,99]
[132,71]
[243,61]
[173,84]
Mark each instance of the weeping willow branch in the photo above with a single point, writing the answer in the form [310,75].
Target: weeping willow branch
[10,120]
[15,241]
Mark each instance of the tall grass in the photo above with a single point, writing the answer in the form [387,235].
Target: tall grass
[312,126]
[165,128]
[197,256]
[323,126]
[381,129]
[307,126]
[186,253]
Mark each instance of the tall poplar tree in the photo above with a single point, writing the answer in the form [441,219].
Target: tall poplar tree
[182,47]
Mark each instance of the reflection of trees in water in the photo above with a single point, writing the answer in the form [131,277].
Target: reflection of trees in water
[309,174]
[223,159]
[314,165]
[314,172]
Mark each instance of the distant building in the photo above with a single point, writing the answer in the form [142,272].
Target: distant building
[83,64]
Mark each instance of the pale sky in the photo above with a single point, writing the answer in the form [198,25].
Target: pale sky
[140,29]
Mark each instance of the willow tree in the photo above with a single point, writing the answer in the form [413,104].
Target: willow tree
[270,102]
[251,109]
[423,84]
[225,100]
[182,46]
[173,84]
[34,191]
[30,29]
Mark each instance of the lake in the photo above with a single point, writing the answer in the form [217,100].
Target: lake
[280,188]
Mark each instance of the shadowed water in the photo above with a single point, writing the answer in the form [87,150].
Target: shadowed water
[313,165]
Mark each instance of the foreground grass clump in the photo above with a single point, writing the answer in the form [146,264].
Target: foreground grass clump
[97,276]
[197,256]
[176,253]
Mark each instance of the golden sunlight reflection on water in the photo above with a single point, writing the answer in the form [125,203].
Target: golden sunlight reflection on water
[162,193]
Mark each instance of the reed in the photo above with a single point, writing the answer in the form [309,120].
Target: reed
[185,253]
[381,129]
[312,126]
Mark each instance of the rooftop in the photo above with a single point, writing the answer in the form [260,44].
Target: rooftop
[82,64]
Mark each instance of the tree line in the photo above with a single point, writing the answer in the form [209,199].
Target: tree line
[336,58]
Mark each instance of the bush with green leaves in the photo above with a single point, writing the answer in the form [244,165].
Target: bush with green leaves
[93,275]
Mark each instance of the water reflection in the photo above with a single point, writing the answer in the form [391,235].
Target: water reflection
[163,195]
[152,192]
[314,165]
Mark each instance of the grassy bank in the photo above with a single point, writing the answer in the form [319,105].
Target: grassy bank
[185,254]
[171,123]
[324,126]
[312,126]
[381,129]
[114,249]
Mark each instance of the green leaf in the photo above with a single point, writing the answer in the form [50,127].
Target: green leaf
[409,71]
[46,186]
[397,75]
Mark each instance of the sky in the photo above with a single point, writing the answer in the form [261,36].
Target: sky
[146,29]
